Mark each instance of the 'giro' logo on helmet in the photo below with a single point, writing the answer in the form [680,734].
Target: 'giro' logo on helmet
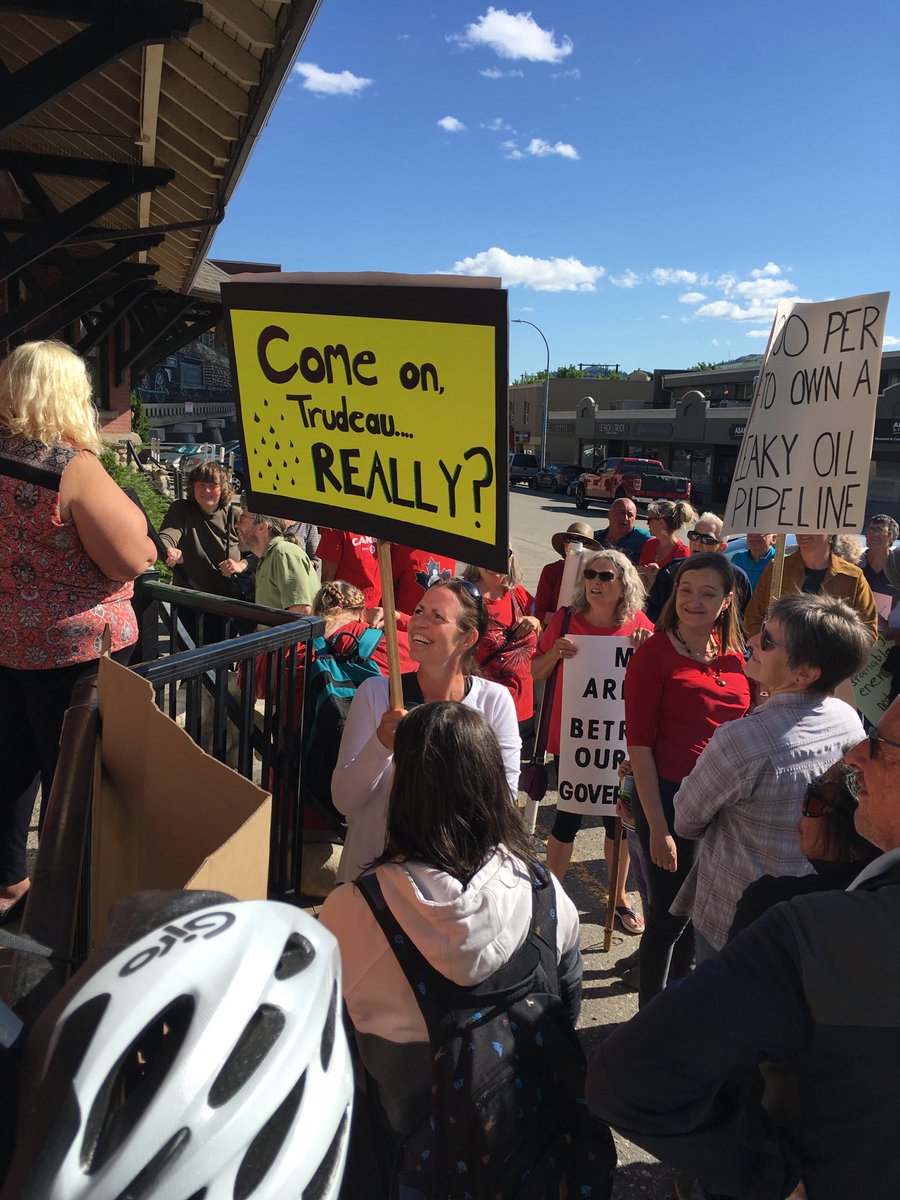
[208,925]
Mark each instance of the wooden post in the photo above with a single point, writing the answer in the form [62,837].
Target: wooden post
[386,573]
[777,567]
[613,887]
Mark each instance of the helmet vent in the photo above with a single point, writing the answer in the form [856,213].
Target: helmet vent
[258,1037]
[147,1179]
[327,1044]
[265,1147]
[296,956]
[131,1086]
[322,1184]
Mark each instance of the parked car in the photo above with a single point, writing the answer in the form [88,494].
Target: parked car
[522,469]
[637,478]
[556,476]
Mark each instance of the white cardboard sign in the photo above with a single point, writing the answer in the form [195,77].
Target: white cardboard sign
[803,465]
[592,733]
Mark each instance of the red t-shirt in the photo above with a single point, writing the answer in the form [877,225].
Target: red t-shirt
[546,599]
[649,548]
[578,625]
[356,559]
[414,571]
[511,667]
[674,705]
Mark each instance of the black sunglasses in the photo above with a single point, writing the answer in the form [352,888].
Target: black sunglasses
[766,642]
[466,584]
[707,539]
[875,737]
[606,576]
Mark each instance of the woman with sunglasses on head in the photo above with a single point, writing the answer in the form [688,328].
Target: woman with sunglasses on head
[607,603]
[827,839]
[743,798]
[664,519]
[680,686]
[507,646]
[443,632]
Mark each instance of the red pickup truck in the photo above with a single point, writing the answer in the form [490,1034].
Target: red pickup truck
[636,478]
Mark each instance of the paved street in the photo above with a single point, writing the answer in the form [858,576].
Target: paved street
[534,518]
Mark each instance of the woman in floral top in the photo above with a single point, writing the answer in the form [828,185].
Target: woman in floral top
[71,542]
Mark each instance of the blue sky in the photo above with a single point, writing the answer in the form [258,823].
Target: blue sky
[647,178]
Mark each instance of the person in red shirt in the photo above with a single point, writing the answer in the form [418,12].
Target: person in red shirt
[352,557]
[664,519]
[680,686]
[414,571]
[506,648]
[608,602]
[546,598]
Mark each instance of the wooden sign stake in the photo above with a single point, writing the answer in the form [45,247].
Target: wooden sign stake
[386,573]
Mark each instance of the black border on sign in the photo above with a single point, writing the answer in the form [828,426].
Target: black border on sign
[447,305]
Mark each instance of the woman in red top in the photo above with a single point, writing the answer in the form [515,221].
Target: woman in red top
[680,686]
[607,602]
[664,519]
[507,647]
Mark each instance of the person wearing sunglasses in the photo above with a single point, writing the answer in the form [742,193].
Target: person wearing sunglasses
[814,985]
[704,538]
[827,838]
[819,571]
[607,603]
[742,801]
[664,519]
[506,648]
[443,632]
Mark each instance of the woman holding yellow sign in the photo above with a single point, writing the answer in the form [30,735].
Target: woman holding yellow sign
[443,633]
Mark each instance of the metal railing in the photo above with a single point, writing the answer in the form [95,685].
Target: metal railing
[210,686]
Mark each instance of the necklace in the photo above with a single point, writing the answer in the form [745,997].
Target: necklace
[706,656]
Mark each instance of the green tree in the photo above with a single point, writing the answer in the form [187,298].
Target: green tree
[140,422]
[704,366]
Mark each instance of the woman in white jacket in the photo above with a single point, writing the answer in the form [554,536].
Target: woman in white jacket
[458,875]
[443,632]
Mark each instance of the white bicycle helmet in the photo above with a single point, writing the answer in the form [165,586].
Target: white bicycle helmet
[206,1061]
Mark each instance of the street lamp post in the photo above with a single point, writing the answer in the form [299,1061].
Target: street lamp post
[519,321]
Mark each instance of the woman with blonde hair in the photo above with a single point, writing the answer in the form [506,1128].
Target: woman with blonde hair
[664,519]
[71,542]
[607,602]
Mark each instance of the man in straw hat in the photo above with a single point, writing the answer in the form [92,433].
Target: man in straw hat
[546,600]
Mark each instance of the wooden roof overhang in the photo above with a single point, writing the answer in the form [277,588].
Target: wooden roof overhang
[124,128]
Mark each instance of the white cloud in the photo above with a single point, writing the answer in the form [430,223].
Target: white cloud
[526,308]
[769,269]
[692,297]
[538,148]
[330,83]
[572,73]
[628,279]
[497,73]
[664,317]
[540,274]
[497,125]
[664,275]
[890,340]
[715,341]
[758,333]
[515,36]
[451,125]
[402,37]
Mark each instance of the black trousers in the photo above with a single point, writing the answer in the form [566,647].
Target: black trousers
[667,946]
[32,704]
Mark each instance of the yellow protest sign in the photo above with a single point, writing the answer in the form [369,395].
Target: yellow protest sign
[380,410]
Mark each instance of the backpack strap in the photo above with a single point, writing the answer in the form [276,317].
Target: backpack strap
[412,692]
[368,642]
[446,1006]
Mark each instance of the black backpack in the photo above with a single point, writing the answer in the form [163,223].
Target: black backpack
[507,1119]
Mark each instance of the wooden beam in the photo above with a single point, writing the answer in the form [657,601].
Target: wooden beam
[246,18]
[198,74]
[217,45]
